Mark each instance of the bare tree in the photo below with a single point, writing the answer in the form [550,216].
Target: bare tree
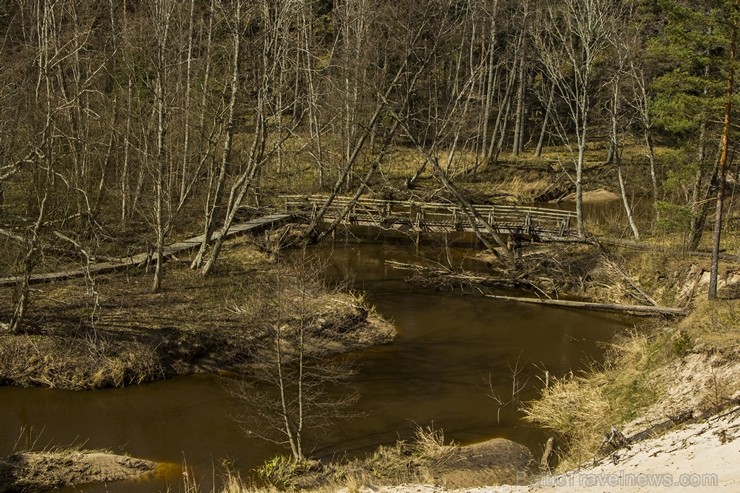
[545,120]
[271,47]
[30,259]
[215,189]
[641,103]
[163,12]
[621,58]
[574,35]
[518,141]
[491,73]
[290,394]
[311,74]
[616,145]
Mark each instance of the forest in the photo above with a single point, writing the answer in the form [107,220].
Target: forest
[128,125]
[127,121]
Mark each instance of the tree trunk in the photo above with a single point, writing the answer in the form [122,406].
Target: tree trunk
[614,144]
[186,109]
[702,202]
[518,143]
[22,292]
[700,195]
[722,169]
[163,14]
[491,76]
[579,187]
[545,120]
[313,119]
[215,195]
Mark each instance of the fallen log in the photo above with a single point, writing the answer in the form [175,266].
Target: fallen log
[629,281]
[613,307]
[450,275]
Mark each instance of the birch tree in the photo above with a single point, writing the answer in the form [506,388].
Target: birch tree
[574,35]
[621,58]
[163,13]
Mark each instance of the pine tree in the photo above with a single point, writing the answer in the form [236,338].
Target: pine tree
[690,55]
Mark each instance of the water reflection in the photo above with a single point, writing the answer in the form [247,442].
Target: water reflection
[449,347]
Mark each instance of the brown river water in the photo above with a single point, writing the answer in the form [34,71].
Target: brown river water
[449,347]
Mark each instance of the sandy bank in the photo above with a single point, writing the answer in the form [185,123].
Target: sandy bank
[701,456]
[41,471]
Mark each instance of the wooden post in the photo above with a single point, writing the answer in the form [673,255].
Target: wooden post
[545,460]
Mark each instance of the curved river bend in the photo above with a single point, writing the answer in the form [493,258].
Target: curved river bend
[437,372]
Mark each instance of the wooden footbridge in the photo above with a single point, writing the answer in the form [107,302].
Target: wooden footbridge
[141,259]
[534,223]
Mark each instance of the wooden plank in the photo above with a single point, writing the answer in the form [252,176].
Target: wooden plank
[437,216]
[140,258]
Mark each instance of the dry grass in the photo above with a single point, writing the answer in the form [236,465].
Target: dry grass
[691,365]
[579,411]
[508,188]
[78,364]
[116,332]
[402,462]
[407,462]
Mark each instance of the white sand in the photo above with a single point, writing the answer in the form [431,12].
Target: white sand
[698,457]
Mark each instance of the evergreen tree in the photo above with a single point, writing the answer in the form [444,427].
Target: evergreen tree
[690,58]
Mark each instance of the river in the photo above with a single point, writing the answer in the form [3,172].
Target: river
[449,347]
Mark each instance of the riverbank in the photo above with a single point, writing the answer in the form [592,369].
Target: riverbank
[701,456]
[664,406]
[35,472]
[670,372]
[110,331]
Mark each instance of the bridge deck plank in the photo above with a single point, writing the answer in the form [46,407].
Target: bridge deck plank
[440,217]
[140,258]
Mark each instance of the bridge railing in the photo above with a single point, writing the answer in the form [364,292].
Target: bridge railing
[437,215]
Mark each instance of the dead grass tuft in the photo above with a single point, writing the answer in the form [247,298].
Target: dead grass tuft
[75,363]
[578,411]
